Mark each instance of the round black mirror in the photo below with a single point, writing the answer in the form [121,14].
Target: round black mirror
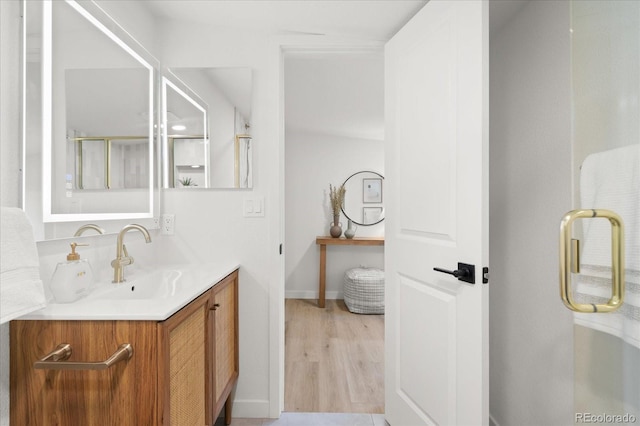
[363,198]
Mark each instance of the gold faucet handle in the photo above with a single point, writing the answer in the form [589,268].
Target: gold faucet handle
[126,256]
[121,262]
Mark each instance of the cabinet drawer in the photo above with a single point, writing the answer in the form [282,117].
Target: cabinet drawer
[66,397]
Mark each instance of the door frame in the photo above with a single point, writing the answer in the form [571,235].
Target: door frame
[279,47]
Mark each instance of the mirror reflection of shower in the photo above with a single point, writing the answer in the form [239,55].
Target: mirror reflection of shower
[185,137]
[243,168]
[222,155]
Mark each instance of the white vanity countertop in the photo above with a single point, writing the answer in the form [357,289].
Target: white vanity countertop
[147,294]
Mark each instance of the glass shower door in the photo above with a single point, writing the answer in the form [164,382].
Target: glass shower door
[605,44]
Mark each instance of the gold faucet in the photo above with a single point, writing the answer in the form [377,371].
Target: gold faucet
[122,257]
[83,228]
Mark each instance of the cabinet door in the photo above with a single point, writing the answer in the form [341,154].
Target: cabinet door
[183,381]
[124,394]
[225,328]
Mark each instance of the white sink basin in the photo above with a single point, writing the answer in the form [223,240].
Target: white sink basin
[156,285]
[145,295]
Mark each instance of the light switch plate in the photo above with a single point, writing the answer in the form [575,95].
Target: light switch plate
[253,207]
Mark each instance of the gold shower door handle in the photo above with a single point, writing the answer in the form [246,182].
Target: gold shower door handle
[569,261]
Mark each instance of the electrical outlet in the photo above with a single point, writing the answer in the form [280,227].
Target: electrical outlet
[156,223]
[167,224]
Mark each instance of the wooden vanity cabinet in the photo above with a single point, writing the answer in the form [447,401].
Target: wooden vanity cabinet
[224,346]
[183,341]
[182,372]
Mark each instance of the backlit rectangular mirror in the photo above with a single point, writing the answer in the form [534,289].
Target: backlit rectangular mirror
[207,139]
[89,119]
[101,89]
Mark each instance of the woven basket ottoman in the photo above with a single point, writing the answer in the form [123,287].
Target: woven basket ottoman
[364,290]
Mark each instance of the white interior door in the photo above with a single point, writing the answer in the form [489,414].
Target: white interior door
[436,163]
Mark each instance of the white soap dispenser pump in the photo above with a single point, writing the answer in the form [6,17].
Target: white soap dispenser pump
[72,279]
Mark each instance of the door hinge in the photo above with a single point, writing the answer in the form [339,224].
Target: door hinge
[485,275]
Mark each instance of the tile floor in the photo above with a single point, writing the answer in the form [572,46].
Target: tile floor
[313,419]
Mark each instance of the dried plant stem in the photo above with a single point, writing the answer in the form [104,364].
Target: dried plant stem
[337,198]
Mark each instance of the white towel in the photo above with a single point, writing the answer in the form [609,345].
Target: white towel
[611,180]
[21,289]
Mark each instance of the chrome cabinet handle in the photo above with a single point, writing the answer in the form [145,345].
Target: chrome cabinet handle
[570,263]
[56,359]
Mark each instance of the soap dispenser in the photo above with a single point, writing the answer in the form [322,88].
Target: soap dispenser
[72,279]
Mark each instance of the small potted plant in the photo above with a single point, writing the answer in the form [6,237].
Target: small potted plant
[336,194]
[187,181]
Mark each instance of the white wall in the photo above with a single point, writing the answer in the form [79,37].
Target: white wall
[11,163]
[312,162]
[10,100]
[334,119]
[210,223]
[531,332]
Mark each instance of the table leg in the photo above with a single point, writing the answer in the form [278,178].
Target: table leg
[323,275]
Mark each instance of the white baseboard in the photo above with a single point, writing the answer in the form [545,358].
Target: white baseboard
[251,408]
[310,294]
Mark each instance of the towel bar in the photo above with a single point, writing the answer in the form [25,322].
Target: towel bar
[56,359]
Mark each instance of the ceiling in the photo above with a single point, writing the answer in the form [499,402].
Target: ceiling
[330,91]
[363,19]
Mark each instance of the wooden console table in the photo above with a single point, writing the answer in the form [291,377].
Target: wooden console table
[323,242]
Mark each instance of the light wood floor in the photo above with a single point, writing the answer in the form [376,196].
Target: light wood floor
[334,360]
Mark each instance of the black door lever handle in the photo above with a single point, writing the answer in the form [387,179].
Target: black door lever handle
[457,273]
[465,272]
